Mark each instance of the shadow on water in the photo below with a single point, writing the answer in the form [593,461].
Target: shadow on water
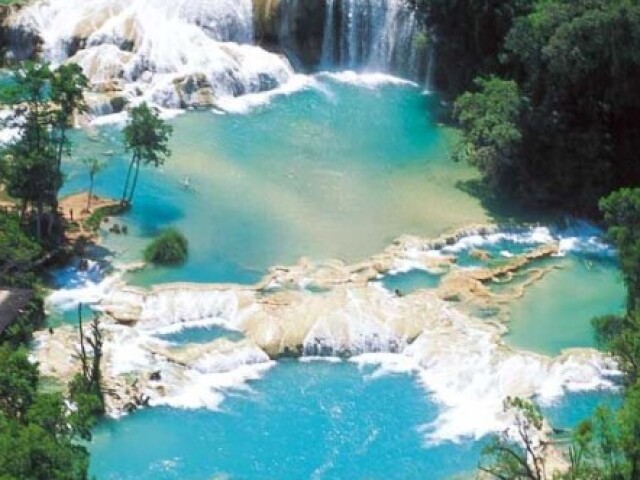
[502,209]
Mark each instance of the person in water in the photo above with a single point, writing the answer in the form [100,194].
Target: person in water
[186,184]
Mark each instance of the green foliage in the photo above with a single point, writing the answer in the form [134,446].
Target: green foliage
[31,318]
[169,248]
[596,451]
[29,452]
[94,221]
[514,455]
[38,432]
[18,382]
[146,136]
[621,336]
[44,101]
[621,212]
[17,252]
[608,445]
[490,125]
[575,63]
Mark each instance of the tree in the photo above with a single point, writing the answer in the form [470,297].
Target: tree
[30,452]
[620,335]
[68,84]
[621,212]
[491,135]
[515,454]
[576,62]
[18,252]
[94,166]
[596,452]
[18,382]
[86,387]
[146,136]
[44,101]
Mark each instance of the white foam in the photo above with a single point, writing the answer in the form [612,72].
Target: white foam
[179,327]
[206,384]
[328,359]
[249,102]
[82,287]
[468,372]
[532,236]
[580,238]
[370,80]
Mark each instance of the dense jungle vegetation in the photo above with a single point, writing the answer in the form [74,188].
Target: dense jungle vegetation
[545,93]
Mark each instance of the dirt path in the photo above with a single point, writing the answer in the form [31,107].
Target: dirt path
[75,213]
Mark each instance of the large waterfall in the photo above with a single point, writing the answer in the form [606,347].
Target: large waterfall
[180,53]
[380,35]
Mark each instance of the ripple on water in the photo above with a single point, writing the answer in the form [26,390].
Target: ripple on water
[305,420]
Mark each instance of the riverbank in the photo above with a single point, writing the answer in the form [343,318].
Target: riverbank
[82,224]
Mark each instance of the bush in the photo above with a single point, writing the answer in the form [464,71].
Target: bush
[170,248]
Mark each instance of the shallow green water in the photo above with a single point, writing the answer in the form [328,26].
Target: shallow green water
[556,312]
[336,171]
[201,335]
[408,282]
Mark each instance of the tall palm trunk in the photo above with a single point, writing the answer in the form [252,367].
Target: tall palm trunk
[126,183]
[90,193]
[135,181]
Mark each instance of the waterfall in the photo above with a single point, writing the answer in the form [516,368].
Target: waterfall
[194,53]
[377,35]
[176,53]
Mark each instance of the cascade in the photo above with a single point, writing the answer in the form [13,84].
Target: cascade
[379,35]
[193,53]
[374,35]
[174,53]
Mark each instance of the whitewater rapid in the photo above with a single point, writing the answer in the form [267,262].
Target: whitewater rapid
[461,361]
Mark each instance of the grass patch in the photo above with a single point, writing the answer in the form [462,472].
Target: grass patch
[170,248]
[93,222]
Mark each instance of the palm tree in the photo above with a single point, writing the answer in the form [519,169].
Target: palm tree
[146,136]
[94,166]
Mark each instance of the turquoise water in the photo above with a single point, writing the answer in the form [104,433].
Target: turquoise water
[303,421]
[336,171]
[409,282]
[556,312]
[201,335]
[575,407]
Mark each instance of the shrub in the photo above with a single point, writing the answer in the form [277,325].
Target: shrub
[170,248]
